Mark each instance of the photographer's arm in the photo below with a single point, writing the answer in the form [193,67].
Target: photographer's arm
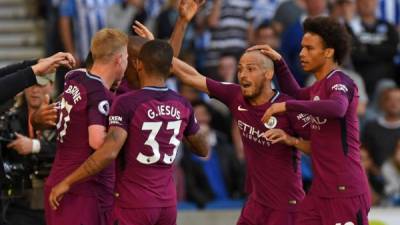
[4,71]
[14,83]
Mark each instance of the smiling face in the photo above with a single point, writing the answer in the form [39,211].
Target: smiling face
[313,53]
[255,73]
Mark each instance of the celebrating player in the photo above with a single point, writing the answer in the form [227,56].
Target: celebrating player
[81,129]
[339,191]
[151,122]
[273,172]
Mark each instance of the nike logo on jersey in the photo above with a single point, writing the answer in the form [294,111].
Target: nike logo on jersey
[241,109]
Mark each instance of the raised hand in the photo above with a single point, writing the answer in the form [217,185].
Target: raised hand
[273,109]
[266,50]
[189,8]
[142,30]
[45,116]
[50,64]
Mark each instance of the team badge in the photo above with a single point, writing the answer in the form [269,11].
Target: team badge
[272,122]
[104,107]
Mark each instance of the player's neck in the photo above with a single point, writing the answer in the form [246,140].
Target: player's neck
[263,98]
[105,73]
[324,70]
[152,82]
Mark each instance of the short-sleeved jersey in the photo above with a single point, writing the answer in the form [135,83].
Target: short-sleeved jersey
[273,170]
[85,101]
[156,119]
[335,142]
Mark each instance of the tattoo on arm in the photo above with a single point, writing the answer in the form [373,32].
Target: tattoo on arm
[92,167]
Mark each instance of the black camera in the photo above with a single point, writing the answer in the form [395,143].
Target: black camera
[14,170]
[9,125]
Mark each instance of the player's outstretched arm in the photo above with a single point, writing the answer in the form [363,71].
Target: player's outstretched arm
[280,136]
[199,144]
[100,159]
[333,107]
[286,80]
[189,75]
[187,10]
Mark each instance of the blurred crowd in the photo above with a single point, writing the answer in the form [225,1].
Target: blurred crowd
[213,43]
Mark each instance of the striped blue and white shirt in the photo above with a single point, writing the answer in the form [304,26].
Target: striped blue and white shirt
[389,10]
[88,16]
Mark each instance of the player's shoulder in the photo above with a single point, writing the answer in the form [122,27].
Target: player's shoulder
[281,97]
[339,75]
[178,97]
[339,80]
[75,74]
[89,81]
[126,96]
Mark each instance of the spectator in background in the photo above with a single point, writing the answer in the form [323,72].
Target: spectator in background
[166,20]
[265,33]
[34,150]
[391,173]
[380,135]
[230,24]
[375,178]
[227,66]
[288,13]
[343,10]
[53,41]
[388,10]
[264,10]
[217,177]
[121,15]
[374,45]
[153,7]
[291,38]
[79,21]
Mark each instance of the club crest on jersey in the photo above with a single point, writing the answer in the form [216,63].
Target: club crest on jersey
[340,87]
[104,107]
[272,122]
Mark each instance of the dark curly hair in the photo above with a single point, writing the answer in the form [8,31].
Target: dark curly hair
[333,34]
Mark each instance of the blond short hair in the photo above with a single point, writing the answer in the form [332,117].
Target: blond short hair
[106,42]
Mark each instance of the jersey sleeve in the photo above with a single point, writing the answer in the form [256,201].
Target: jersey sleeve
[120,114]
[340,93]
[222,91]
[341,86]
[98,107]
[192,126]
